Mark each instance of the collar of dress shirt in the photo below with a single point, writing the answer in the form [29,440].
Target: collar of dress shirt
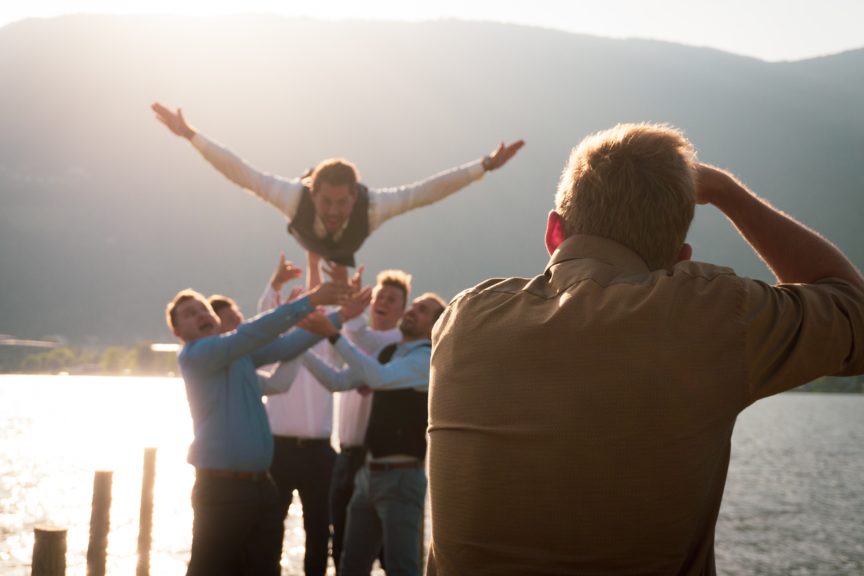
[581,246]
[321,230]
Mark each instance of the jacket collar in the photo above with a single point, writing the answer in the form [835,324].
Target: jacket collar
[580,246]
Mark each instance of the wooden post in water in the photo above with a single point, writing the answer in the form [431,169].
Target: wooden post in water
[145,525]
[49,551]
[100,523]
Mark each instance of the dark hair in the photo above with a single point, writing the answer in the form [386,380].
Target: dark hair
[219,302]
[336,172]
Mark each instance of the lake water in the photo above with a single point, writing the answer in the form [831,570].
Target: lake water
[794,501]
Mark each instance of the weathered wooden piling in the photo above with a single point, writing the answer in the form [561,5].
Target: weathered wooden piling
[145,524]
[100,523]
[49,551]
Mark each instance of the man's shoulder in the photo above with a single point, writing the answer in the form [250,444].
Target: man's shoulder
[704,270]
[492,286]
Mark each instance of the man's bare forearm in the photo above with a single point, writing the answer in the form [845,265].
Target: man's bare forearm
[792,251]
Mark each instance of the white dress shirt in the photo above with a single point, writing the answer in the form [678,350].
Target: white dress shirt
[306,410]
[384,203]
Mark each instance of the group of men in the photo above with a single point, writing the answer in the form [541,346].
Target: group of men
[579,422]
[373,492]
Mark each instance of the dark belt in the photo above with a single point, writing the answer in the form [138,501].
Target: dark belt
[351,449]
[232,474]
[301,442]
[387,466]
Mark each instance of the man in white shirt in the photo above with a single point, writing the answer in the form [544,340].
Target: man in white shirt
[390,489]
[389,298]
[301,421]
[329,211]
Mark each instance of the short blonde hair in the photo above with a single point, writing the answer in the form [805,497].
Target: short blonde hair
[634,184]
[179,298]
[398,279]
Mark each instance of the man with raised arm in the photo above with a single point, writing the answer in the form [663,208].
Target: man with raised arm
[236,528]
[301,421]
[329,211]
[581,421]
[389,299]
[390,489]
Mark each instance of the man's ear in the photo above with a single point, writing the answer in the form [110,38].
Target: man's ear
[685,253]
[554,231]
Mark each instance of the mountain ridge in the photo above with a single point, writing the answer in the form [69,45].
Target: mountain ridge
[105,214]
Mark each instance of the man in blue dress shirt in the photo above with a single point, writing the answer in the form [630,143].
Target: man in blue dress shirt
[236,527]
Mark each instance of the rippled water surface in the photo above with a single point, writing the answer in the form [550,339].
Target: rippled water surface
[794,500]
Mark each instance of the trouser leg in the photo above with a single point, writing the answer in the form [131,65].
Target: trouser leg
[314,489]
[341,490]
[282,470]
[264,546]
[229,526]
[400,499]
[363,534]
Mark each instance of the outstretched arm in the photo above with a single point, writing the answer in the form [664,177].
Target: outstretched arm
[284,273]
[281,380]
[370,341]
[257,336]
[389,202]
[282,193]
[174,121]
[408,371]
[793,252]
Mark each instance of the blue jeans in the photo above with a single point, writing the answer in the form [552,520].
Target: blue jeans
[387,507]
[348,462]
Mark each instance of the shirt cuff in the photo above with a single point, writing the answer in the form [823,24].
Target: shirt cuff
[475,169]
[200,142]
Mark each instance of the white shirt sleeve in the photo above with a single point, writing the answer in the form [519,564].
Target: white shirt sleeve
[369,341]
[281,379]
[269,299]
[385,203]
[282,193]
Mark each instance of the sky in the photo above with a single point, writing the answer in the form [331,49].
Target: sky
[772,30]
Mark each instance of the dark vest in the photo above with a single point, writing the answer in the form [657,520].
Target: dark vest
[302,227]
[397,423]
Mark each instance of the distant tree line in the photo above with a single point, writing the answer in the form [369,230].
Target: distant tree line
[137,360]
[142,360]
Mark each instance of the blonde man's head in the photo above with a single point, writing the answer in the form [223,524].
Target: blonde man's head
[179,298]
[398,279]
[634,184]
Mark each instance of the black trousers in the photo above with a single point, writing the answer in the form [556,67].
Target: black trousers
[306,467]
[236,530]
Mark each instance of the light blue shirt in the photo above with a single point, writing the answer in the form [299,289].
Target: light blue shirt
[231,431]
[409,368]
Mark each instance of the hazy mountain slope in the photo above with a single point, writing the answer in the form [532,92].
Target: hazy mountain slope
[104,214]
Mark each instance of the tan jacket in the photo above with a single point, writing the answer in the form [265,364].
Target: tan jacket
[580,421]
